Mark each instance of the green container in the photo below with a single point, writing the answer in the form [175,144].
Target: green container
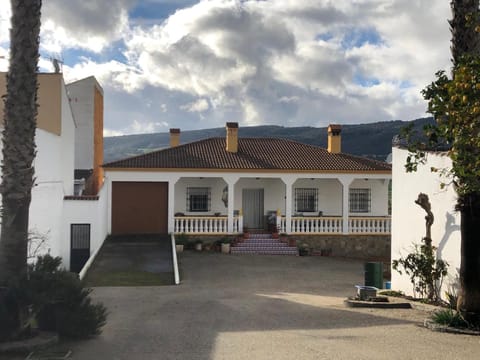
[374,274]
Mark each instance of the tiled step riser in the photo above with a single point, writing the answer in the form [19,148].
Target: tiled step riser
[272,246]
[265,253]
[263,244]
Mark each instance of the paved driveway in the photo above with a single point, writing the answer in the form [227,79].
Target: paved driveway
[261,307]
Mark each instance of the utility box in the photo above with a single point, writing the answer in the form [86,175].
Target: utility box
[374,274]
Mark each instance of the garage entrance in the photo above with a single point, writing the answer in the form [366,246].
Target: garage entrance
[139,208]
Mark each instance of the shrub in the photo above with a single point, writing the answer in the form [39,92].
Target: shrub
[449,317]
[61,302]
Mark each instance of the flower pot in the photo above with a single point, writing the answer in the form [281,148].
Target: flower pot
[198,246]
[225,248]
[292,242]
[179,248]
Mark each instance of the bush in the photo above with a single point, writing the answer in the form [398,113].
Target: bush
[449,317]
[60,301]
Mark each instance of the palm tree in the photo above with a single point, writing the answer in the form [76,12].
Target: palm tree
[18,137]
[465,27]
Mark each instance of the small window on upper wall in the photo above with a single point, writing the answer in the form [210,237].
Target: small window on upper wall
[360,200]
[306,200]
[198,199]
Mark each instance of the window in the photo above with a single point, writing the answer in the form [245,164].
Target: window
[360,200]
[306,200]
[80,236]
[198,199]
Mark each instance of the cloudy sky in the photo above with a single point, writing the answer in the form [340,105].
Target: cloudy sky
[197,64]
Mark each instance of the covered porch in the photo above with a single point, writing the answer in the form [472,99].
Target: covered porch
[294,204]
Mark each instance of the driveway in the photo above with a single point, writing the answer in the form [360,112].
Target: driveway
[262,307]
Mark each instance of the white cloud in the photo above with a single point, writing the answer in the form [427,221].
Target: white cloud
[200,105]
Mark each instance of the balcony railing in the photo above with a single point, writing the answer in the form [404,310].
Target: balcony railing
[370,225]
[300,225]
[206,224]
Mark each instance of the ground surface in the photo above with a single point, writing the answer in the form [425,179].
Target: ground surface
[145,261]
[262,307]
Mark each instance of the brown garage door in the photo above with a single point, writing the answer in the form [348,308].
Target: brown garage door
[139,208]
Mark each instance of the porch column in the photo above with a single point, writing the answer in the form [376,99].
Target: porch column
[171,203]
[288,202]
[231,181]
[346,181]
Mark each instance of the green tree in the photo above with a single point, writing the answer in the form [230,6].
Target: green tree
[18,137]
[455,103]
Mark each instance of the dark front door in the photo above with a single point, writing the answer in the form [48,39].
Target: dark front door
[252,204]
[79,246]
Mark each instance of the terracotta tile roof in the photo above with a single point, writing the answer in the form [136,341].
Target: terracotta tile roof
[253,153]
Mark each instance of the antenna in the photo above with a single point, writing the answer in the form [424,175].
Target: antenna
[57,62]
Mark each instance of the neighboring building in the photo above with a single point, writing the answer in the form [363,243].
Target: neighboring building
[86,101]
[70,230]
[408,219]
[219,186]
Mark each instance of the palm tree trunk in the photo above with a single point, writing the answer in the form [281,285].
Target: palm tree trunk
[469,300]
[18,137]
[465,19]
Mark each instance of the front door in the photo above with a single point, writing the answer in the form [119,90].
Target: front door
[252,204]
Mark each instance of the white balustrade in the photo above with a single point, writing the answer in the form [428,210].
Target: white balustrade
[369,225]
[317,225]
[206,224]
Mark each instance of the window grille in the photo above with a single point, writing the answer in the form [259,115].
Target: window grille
[306,200]
[360,200]
[80,236]
[198,199]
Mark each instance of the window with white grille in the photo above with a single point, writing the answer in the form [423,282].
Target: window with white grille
[198,199]
[306,200]
[80,236]
[360,200]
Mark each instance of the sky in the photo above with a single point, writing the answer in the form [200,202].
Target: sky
[198,64]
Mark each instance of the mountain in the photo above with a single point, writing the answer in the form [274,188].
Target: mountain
[372,140]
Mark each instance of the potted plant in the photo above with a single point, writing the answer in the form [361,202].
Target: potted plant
[246,233]
[225,246]
[180,242]
[284,238]
[303,250]
[275,234]
[198,245]
[292,242]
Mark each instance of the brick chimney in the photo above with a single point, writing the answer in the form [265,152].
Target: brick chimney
[334,138]
[174,137]
[232,137]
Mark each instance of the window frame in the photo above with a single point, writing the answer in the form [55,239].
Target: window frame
[360,200]
[302,195]
[194,200]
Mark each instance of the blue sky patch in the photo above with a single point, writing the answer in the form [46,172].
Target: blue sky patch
[358,37]
[324,37]
[365,81]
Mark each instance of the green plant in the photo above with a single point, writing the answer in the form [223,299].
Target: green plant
[392,293]
[181,239]
[60,301]
[449,317]
[425,271]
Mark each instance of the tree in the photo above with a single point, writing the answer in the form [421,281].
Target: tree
[455,104]
[18,137]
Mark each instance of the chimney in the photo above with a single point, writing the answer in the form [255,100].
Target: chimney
[174,137]
[232,137]
[334,138]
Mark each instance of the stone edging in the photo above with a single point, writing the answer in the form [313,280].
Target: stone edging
[429,324]
[41,341]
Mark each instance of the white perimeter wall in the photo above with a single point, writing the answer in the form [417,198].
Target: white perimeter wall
[93,212]
[408,219]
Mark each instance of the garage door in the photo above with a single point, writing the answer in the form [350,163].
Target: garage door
[139,208]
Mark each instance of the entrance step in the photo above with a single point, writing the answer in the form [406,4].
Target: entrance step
[263,244]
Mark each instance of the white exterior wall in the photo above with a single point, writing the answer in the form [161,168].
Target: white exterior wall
[379,196]
[273,183]
[93,212]
[82,102]
[216,186]
[329,194]
[408,219]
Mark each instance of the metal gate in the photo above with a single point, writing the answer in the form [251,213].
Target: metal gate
[252,203]
[79,246]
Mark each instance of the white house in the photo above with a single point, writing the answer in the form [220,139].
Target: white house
[73,229]
[408,219]
[218,186]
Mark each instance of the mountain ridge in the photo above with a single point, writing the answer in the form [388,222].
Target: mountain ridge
[372,140]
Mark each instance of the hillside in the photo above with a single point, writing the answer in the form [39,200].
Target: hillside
[371,140]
